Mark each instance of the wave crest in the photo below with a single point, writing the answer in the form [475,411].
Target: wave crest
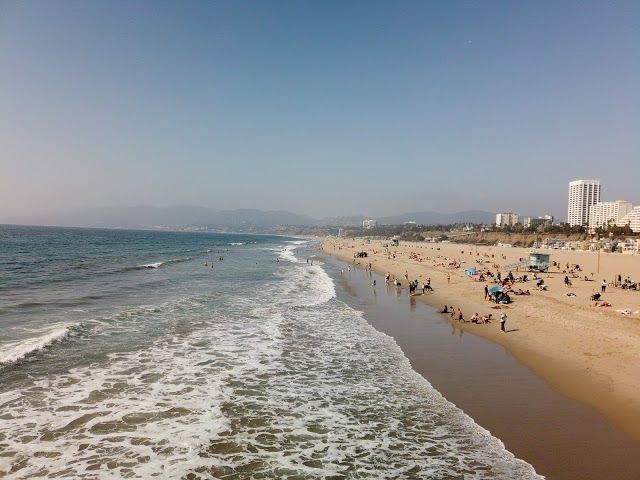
[19,350]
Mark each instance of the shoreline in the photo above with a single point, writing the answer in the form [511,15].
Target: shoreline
[544,337]
[524,412]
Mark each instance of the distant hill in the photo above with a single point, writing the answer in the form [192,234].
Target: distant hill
[180,216]
[240,219]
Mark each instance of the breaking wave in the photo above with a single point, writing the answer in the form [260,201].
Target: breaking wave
[16,351]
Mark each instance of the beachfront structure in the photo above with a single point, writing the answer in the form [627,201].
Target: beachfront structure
[632,218]
[506,219]
[582,194]
[536,262]
[603,214]
[631,246]
[368,224]
[535,222]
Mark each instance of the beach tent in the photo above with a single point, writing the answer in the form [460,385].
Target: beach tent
[495,289]
[470,271]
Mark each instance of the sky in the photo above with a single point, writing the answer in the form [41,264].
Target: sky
[322,108]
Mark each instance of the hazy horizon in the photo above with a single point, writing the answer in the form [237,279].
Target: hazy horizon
[322,109]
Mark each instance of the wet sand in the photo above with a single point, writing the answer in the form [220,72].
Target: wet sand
[560,437]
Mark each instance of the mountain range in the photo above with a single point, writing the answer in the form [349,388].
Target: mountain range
[190,216]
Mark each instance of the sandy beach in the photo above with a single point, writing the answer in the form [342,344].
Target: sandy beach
[587,353]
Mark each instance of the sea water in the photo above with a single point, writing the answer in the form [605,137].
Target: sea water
[132,354]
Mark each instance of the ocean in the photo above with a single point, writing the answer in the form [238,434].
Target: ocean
[140,354]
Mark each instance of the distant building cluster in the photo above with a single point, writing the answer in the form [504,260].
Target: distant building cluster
[368,224]
[510,219]
[586,210]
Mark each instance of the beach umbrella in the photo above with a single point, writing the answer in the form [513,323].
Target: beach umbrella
[495,289]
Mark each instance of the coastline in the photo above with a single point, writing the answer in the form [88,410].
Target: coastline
[524,412]
[587,354]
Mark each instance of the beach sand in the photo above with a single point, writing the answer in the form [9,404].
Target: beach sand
[587,353]
[562,438]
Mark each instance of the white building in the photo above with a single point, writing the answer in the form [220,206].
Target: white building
[582,194]
[604,213]
[367,224]
[630,246]
[632,219]
[506,219]
[534,222]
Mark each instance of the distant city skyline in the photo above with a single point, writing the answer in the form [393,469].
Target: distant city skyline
[323,109]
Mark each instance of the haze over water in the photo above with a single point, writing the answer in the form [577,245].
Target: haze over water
[123,355]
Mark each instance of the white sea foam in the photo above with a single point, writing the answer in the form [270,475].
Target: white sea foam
[286,382]
[151,265]
[236,243]
[16,351]
[166,262]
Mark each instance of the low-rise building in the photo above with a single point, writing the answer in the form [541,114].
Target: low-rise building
[367,224]
[535,222]
[631,246]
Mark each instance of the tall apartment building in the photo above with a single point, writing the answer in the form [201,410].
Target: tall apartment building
[603,213]
[632,219]
[582,194]
[506,219]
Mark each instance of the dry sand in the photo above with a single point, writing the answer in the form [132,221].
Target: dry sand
[588,353]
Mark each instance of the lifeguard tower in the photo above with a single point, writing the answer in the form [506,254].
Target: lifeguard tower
[537,262]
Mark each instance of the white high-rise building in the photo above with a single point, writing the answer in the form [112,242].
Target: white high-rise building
[632,219]
[604,213]
[582,194]
[506,219]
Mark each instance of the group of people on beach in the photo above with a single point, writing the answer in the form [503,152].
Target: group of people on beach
[456,314]
[498,287]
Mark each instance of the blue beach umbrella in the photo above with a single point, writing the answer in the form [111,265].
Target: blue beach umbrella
[495,289]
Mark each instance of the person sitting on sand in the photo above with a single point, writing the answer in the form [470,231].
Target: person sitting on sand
[444,310]
[475,318]
[487,318]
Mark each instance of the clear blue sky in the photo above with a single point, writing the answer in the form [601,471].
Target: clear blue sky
[325,108]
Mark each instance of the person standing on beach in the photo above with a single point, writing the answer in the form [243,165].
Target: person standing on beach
[486,291]
[503,322]
[448,278]
[603,285]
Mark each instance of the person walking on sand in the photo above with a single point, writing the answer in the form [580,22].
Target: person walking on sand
[460,316]
[448,278]
[503,322]
[603,285]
